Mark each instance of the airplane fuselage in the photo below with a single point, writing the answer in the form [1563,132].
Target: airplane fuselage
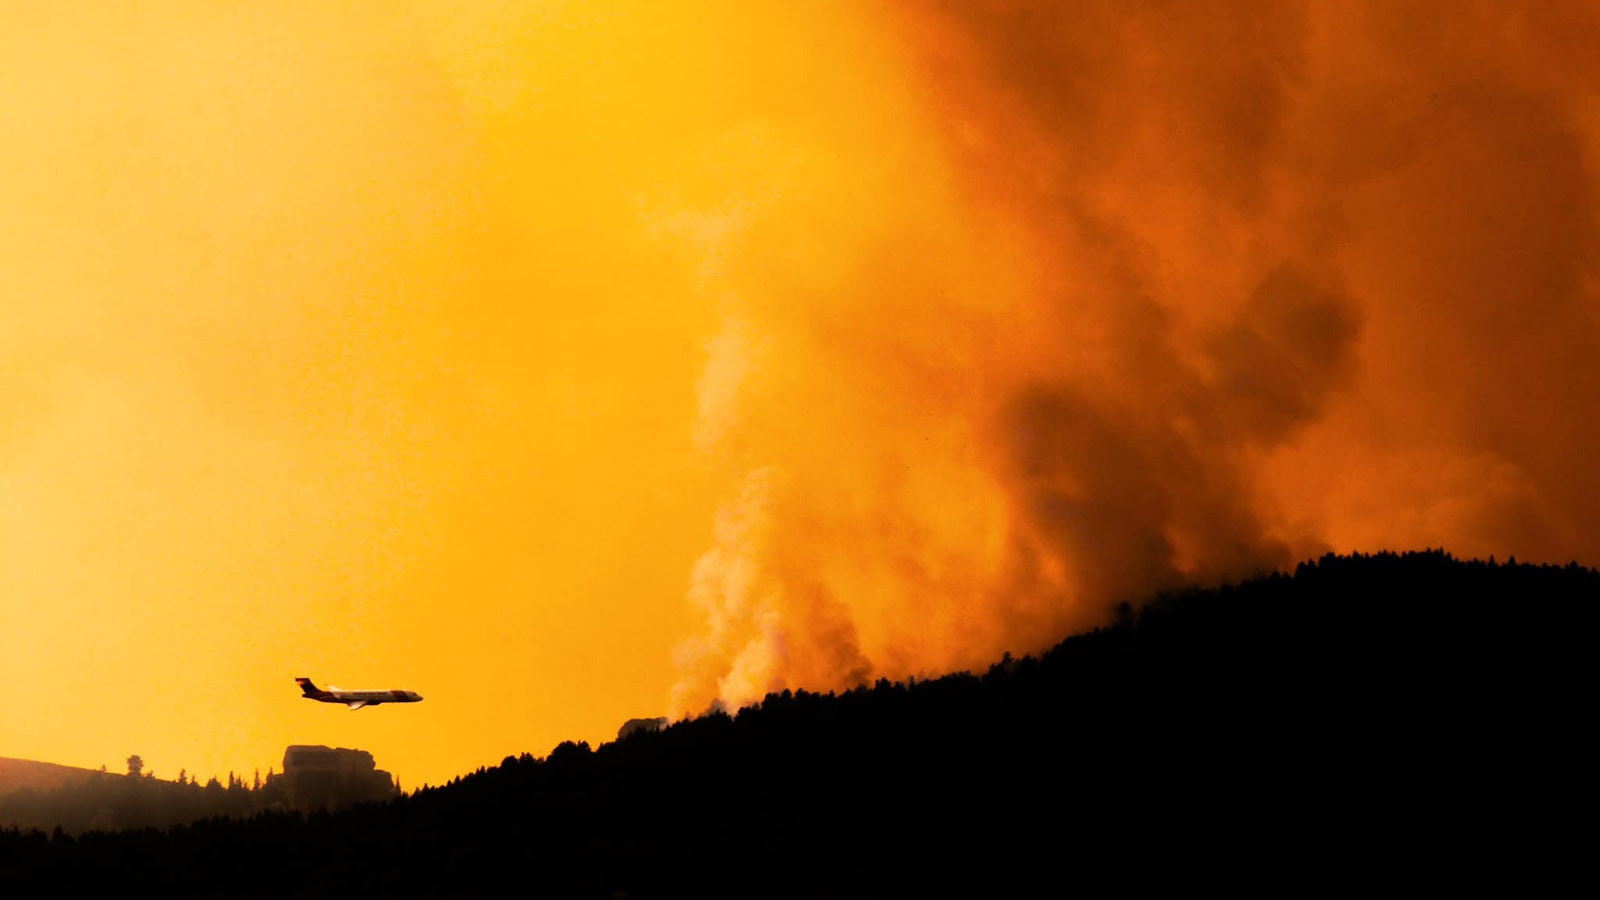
[354,699]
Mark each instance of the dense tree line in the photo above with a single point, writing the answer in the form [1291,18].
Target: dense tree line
[1395,720]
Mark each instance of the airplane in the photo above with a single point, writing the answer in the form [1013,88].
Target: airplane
[354,699]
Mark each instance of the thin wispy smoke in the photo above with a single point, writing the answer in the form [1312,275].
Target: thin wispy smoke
[1189,291]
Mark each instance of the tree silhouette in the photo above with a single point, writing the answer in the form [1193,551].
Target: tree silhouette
[1365,717]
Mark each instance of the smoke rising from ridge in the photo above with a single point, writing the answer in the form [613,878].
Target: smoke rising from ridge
[819,341]
[1180,292]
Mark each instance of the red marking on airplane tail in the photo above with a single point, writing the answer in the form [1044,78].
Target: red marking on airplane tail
[309,689]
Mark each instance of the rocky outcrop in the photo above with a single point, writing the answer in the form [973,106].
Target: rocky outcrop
[327,778]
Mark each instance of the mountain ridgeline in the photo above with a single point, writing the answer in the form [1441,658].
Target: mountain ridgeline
[1409,717]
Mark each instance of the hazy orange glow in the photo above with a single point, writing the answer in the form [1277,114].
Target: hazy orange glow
[570,362]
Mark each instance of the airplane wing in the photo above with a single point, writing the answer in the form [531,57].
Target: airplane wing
[356,704]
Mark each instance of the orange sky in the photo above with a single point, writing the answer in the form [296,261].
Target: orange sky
[572,362]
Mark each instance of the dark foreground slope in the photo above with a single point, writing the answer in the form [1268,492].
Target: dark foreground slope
[1388,720]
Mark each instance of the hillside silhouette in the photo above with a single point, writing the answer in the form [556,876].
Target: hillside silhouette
[19,774]
[1397,720]
[314,778]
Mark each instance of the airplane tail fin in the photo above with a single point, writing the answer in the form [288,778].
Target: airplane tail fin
[307,688]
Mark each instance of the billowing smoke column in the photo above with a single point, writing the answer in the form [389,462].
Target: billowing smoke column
[1173,292]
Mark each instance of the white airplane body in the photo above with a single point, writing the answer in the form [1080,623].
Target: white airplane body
[354,699]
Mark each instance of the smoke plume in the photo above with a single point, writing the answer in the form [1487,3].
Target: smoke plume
[709,348]
[1173,292]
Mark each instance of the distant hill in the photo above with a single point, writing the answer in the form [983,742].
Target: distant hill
[40,776]
[313,778]
[1405,720]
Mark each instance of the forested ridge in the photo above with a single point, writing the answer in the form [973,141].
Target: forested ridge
[1409,718]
